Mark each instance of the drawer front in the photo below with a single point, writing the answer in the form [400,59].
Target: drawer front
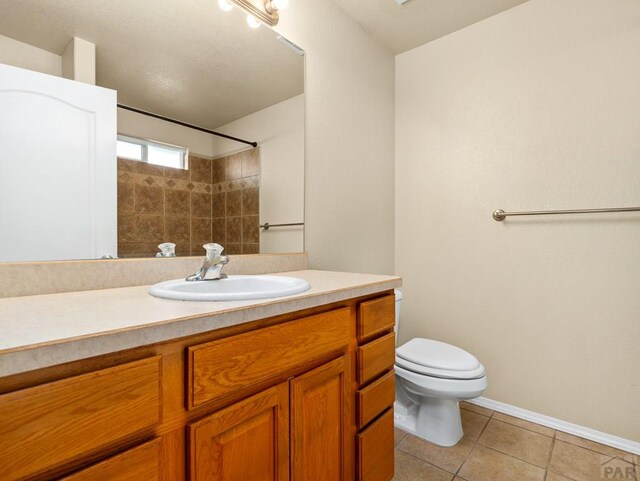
[242,363]
[375,398]
[58,422]
[137,464]
[375,450]
[376,357]
[375,317]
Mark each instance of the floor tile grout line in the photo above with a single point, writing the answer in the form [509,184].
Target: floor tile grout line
[395,444]
[553,444]
[526,429]
[426,462]
[475,412]
[475,443]
[512,457]
[617,456]
[556,431]
[555,436]
[515,457]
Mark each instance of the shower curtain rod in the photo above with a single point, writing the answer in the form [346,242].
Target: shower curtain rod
[184,124]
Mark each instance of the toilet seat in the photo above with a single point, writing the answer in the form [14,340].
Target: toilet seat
[438,359]
[437,387]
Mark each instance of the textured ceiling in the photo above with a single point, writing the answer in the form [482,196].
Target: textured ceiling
[185,59]
[403,27]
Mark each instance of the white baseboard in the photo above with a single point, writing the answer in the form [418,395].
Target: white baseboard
[548,421]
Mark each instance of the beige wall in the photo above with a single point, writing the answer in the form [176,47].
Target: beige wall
[349,87]
[535,108]
[19,54]
[79,61]
[279,131]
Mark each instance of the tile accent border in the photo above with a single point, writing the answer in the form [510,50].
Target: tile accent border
[564,426]
[19,279]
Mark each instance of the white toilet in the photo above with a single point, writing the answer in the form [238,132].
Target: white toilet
[431,379]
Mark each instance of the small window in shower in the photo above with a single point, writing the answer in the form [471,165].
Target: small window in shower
[151,152]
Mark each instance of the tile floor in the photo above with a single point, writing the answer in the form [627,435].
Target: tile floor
[497,447]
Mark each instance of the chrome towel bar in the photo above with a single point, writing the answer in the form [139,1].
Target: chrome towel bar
[500,215]
[267,226]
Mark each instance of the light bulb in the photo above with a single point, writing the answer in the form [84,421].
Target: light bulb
[225,5]
[252,21]
[279,4]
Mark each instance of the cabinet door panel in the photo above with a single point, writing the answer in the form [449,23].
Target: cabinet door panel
[247,441]
[321,420]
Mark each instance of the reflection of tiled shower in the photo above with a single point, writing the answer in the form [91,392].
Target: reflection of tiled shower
[213,201]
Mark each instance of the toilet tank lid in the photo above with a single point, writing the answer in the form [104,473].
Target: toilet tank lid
[438,355]
[398,294]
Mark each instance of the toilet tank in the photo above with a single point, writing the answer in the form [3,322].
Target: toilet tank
[399,297]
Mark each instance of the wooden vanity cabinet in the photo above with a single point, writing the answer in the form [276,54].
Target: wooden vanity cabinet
[298,428]
[272,400]
[375,389]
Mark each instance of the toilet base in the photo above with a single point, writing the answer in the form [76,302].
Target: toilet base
[435,420]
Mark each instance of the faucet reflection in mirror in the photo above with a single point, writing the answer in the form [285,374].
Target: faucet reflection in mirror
[167,249]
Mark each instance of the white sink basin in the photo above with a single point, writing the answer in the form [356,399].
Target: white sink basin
[233,288]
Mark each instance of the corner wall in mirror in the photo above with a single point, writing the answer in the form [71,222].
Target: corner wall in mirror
[80,183]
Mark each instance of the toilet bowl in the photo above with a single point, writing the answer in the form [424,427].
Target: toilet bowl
[432,377]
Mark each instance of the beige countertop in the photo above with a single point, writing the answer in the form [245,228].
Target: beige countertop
[44,330]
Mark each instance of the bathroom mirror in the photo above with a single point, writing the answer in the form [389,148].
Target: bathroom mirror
[107,119]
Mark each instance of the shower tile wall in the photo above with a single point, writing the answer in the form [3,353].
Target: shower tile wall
[213,201]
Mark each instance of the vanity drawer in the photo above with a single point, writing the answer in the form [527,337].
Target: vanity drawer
[375,398]
[141,463]
[375,317]
[58,422]
[375,450]
[241,364]
[376,357]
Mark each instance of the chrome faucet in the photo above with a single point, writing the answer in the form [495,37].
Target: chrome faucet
[211,269]
[167,249]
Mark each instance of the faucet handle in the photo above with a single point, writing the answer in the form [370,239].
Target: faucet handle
[167,249]
[213,250]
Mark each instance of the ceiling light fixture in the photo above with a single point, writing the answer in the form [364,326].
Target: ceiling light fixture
[258,11]
[272,6]
[225,5]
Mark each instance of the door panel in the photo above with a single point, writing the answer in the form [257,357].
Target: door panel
[57,168]
[320,423]
[247,441]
